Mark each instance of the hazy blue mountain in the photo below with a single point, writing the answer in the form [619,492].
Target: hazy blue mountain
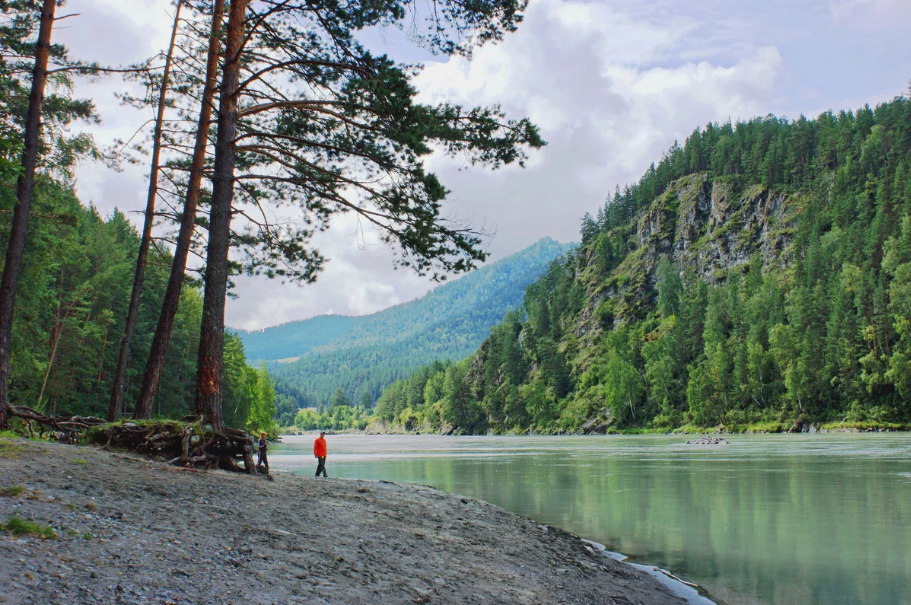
[363,354]
[295,338]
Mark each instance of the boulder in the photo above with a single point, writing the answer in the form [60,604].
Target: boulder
[599,424]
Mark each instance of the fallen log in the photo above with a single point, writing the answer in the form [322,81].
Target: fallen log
[67,428]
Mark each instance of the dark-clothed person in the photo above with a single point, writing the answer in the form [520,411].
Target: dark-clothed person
[319,452]
[263,459]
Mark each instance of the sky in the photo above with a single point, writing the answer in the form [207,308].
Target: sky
[611,84]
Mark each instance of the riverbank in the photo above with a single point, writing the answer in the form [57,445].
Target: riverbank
[770,427]
[129,530]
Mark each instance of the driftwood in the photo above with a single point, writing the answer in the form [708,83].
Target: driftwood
[188,442]
[66,428]
[180,443]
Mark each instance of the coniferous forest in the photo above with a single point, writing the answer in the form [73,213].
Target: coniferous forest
[75,288]
[757,277]
[259,109]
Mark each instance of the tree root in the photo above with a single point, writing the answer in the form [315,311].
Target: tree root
[67,428]
[188,442]
[181,444]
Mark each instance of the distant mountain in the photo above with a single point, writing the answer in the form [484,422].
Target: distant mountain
[295,338]
[364,354]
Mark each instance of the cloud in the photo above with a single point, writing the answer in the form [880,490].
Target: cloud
[604,89]
[609,99]
[885,14]
[612,84]
[114,34]
[358,281]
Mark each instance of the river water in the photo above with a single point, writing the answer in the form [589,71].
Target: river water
[768,519]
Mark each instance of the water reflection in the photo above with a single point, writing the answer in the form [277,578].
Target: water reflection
[778,519]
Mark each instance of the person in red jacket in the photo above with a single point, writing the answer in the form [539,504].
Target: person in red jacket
[319,451]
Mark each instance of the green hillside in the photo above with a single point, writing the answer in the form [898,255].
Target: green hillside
[361,355]
[761,273]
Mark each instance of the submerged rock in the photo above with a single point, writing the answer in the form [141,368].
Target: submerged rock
[707,440]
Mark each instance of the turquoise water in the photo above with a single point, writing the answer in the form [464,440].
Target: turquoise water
[768,519]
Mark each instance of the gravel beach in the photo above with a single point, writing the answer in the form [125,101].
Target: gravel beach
[131,530]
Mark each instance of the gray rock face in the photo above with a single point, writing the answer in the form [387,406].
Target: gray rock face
[701,224]
[707,225]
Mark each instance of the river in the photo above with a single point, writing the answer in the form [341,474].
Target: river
[766,520]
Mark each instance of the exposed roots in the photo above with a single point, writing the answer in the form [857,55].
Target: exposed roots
[65,428]
[179,443]
[182,443]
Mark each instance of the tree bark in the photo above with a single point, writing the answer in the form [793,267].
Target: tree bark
[169,305]
[123,357]
[24,187]
[210,364]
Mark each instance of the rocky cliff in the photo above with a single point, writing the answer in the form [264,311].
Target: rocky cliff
[702,224]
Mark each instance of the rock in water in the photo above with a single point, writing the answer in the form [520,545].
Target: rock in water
[707,440]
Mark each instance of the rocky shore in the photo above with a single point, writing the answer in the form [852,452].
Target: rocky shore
[133,531]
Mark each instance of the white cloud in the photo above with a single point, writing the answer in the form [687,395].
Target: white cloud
[611,83]
[609,100]
[587,76]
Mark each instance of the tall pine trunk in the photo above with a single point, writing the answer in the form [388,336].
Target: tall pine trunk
[24,186]
[123,357]
[210,365]
[171,300]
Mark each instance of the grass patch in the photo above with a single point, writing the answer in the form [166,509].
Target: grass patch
[18,526]
[87,536]
[638,431]
[769,426]
[10,451]
[12,492]
[8,434]
[863,425]
[79,461]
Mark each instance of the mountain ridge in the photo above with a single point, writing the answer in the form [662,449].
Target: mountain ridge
[757,277]
[363,353]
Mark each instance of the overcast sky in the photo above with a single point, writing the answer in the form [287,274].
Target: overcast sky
[611,84]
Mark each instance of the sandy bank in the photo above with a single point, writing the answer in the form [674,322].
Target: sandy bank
[166,535]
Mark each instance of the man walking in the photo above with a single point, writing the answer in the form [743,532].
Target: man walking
[319,451]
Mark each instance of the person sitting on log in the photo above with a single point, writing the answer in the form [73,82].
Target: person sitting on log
[263,446]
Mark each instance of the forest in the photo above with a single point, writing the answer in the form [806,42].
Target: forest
[756,278]
[260,111]
[75,290]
